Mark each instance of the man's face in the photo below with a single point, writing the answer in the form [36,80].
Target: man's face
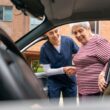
[81,34]
[54,36]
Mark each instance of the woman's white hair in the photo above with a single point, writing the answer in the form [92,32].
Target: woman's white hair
[85,24]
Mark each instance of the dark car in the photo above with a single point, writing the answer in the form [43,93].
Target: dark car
[17,81]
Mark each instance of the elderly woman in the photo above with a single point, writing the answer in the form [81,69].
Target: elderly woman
[90,60]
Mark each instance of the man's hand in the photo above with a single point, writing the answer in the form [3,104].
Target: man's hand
[69,70]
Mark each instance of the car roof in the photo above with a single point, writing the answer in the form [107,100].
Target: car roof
[57,10]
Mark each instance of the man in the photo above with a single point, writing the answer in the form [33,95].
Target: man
[56,58]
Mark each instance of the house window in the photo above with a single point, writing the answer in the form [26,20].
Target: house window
[6,13]
[35,22]
[94,26]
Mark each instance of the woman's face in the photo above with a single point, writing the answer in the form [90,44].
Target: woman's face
[81,34]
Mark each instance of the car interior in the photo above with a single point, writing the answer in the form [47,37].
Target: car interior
[17,80]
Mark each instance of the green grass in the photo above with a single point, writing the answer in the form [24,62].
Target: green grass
[40,69]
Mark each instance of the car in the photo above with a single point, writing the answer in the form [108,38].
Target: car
[18,82]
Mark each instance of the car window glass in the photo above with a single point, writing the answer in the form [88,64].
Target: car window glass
[98,27]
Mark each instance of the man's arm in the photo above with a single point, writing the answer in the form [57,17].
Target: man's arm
[48,71]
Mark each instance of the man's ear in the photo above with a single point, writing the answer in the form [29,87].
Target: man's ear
[45,36]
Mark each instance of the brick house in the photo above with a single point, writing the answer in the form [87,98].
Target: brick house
[16,25]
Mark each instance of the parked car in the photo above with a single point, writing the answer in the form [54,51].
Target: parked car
[17,81]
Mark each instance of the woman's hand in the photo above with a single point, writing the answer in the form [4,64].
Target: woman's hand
[101,82]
